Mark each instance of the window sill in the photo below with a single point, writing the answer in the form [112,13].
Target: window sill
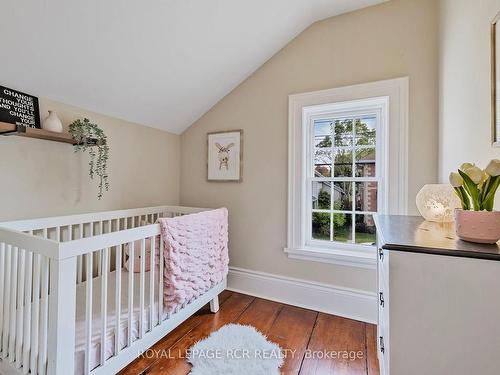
[351,258]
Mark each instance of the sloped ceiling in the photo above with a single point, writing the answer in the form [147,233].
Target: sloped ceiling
[161,63]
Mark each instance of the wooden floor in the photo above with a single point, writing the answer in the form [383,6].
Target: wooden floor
[300,330]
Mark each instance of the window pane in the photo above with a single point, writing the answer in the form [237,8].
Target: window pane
[342,227]
[322,162]
[343,133]
[342,149]
[342,196]
[365,162]
[365,230]
[321,195]
[343,163]
[365,131]
[321,226]
[366,196]
[322,133]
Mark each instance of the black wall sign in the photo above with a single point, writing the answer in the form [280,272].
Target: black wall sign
[19,108]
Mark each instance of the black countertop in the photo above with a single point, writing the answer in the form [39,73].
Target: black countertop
[414,234]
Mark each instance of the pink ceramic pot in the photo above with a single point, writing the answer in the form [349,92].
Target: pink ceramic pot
[478,226]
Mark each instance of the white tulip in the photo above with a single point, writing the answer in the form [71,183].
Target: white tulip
[475,174]
[456,180]
[493,168]
[466,166]
[485,176]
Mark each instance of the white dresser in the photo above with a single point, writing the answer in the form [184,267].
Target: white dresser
[439,300]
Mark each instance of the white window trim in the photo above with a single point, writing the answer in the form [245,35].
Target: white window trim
[389,94]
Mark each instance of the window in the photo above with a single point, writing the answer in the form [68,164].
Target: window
[347,155]
[343,178]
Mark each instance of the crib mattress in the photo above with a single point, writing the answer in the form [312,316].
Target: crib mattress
[95,349]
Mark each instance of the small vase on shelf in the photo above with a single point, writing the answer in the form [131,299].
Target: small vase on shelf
[52,123]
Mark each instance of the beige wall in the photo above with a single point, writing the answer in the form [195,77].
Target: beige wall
[43,178]
[395,39]
[465,84]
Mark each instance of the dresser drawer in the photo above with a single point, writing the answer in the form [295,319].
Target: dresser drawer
[383,266]
[383,309]
[383,347]
[383,306]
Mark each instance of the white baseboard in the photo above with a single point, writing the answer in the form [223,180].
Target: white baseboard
[350,303]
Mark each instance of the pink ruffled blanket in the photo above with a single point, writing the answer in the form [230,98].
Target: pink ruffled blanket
[196,255]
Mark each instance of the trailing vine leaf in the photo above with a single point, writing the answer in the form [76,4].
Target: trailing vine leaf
[91,138]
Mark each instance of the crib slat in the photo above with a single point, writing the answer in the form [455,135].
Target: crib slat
[44,316]
[79,259]
[131,249]
[104,303]
[27,311]
[94,254]
[20,308]
[99,252]
[35,313]
[160,289]
[141,290]
[13,320]
[4,304]
[6,322]
[152,283]
[118,294]
[88,312]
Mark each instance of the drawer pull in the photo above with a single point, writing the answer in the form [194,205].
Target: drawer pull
[381,297]
[381,254]
[381,342]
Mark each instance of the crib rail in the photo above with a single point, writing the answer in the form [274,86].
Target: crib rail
[43,261]
[129,218]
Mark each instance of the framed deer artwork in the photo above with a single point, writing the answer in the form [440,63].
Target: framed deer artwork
[225,156]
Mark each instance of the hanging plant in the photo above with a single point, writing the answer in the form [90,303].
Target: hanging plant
[91,138]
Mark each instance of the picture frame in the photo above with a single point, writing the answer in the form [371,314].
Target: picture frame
[225,156]
[495,82]
[19,109]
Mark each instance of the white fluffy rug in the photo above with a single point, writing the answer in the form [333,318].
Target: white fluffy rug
[235,349]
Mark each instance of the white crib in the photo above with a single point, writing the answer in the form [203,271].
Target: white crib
[67,304]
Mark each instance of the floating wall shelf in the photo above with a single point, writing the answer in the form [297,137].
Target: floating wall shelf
[11,129]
